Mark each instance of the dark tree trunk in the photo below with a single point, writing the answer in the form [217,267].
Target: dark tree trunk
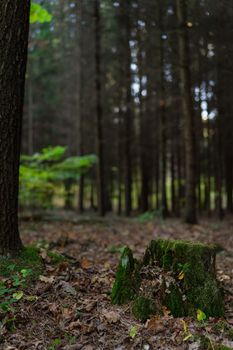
[128,169]
[162,113]
[99,115]
[14,25]
[81,106]
[188,112]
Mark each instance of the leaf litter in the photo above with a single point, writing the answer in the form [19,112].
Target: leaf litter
[69,306]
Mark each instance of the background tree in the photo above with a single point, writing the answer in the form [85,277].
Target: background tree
[14,26]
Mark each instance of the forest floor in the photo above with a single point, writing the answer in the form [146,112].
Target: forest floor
[69,306]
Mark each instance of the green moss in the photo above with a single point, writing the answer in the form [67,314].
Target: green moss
[143,308]
[56,258]
[127,280]
[208,298]
[28,258]
[197,262]
[188,271]
[174,302]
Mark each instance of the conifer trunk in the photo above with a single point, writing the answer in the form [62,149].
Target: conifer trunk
[14,27]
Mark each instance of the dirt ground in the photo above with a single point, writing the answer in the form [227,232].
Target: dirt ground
[71,307]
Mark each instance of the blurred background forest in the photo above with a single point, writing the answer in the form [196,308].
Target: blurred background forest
[143,90]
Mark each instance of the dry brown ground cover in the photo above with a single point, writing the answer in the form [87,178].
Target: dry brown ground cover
[69,306]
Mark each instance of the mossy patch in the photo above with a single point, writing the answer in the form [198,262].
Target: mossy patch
[177,274]
[127,281]
[143,308]
[174,302]
[29,258]
[196,263]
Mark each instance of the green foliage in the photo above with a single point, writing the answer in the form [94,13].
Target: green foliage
[27,264]
[39,14]
[17,274]
[44,173]
[133,332]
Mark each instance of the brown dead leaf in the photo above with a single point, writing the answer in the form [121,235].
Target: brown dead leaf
[155,324]
[45,279]
[44,255]
[111,316]
[85,263]
[88,347]
[166,311]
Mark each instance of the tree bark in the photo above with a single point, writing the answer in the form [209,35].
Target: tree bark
[14,27]
[188,112]
[99,115]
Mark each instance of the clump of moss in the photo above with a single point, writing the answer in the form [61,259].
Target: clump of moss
[174,302]
[28,258]
[127,280]
[177,274]
[143,308]
[197,263]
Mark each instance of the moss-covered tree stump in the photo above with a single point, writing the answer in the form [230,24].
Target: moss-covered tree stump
[178,275]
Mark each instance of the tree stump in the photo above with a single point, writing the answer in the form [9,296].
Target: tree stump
[173,274]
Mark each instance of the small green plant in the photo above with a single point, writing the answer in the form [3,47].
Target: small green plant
[55,344]
[17,273]
[133,332]
[27,264]
[116,249]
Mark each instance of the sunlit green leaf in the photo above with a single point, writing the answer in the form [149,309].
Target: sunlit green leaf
[39,14]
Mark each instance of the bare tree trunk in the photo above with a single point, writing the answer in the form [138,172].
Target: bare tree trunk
[188,112]
[30,117]
[81,107]
[128,169]
[99,115]
[14,25]
[162,111]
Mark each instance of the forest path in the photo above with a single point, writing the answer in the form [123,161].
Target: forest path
[73,309]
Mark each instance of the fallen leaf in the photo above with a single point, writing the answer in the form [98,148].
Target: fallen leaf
[85,263]
[133,332]
[155,324]
[111,316]
[181,275]
[18,295]
[45,279]
[67,288]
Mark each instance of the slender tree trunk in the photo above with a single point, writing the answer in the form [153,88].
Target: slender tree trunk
[99,114]
[128,169]
[188,112]
[30,117]
[14,25]
[81,107]
[162,112]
